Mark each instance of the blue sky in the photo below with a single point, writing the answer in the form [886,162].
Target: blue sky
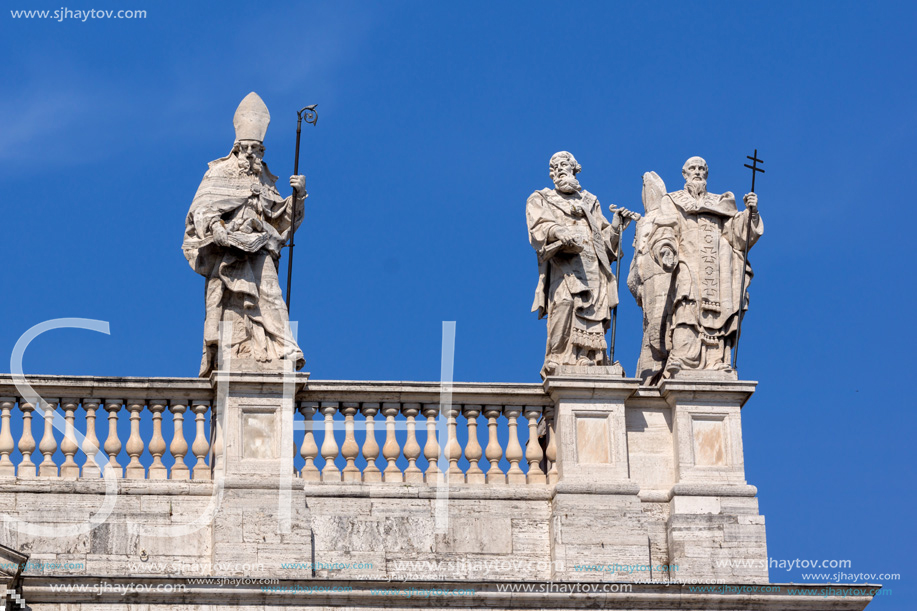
[436,120]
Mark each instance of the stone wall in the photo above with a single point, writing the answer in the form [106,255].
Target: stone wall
[622,478]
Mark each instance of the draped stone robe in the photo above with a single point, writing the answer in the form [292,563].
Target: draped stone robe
[576,291]
[242,282]
[695,307]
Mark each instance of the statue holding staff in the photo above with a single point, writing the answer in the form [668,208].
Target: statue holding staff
[234,230]
[688,274]
[576,246]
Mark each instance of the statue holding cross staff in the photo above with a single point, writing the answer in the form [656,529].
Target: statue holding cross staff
[689,274]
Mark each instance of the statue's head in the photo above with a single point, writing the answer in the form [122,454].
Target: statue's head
[250,121]
[695,173]
[250,155]
[563,171]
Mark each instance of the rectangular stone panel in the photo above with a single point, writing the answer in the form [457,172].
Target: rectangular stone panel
[709,441]
[258,436]
[592,444]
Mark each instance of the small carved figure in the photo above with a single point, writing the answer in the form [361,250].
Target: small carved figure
[237,224]
[575,245]
[686,274]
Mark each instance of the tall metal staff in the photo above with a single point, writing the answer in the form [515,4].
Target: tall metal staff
[618,253]
[754,172]
[311,117]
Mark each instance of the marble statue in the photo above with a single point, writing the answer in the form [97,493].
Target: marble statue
[576,246]
[235,228]
[686,274]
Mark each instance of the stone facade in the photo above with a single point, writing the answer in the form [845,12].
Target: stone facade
[624,477]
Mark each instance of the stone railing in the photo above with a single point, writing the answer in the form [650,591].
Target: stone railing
[458,440]
[274,470]
[70,414]
[343,431]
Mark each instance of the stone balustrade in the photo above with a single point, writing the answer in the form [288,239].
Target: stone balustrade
[371,432]
[97,428]
[272,469]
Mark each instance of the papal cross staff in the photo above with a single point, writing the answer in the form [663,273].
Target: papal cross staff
[311,117]
[754,172]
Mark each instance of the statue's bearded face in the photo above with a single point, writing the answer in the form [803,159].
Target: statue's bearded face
[563,173]
[250,154]
[695,173]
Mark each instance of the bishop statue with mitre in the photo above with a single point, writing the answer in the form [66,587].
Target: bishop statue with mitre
[237,224]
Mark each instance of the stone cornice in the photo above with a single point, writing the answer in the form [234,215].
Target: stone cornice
[307,594]
[102,387]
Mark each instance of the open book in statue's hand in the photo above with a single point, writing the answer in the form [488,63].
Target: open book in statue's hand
[249,242]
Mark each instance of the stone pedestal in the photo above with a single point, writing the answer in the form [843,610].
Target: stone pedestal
[595,507]
[714,529]
[262,520]
[254,413]
[590,427]
[708,430]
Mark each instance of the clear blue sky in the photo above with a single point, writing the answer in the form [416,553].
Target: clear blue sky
[436,120]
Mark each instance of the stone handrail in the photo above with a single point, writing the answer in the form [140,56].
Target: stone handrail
[60,398]
[457,442]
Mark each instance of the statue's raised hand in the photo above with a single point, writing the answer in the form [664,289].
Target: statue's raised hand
[622,217]
[751,202]
[299,185]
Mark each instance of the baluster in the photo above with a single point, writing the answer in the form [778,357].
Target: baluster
[200,447]
[473,450]
[157,442]
[27,442]
[370,446]
[112,443]
[411,447]
[48,445]
[493,452]
[350,450]
[513,450]
[330,473]
[68,445]
[391,450]
[6,437]
[551,450]
[454,473]
[309,450]
[134,446]
[533,451]
[91,469]
[178,447]
[431,447]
